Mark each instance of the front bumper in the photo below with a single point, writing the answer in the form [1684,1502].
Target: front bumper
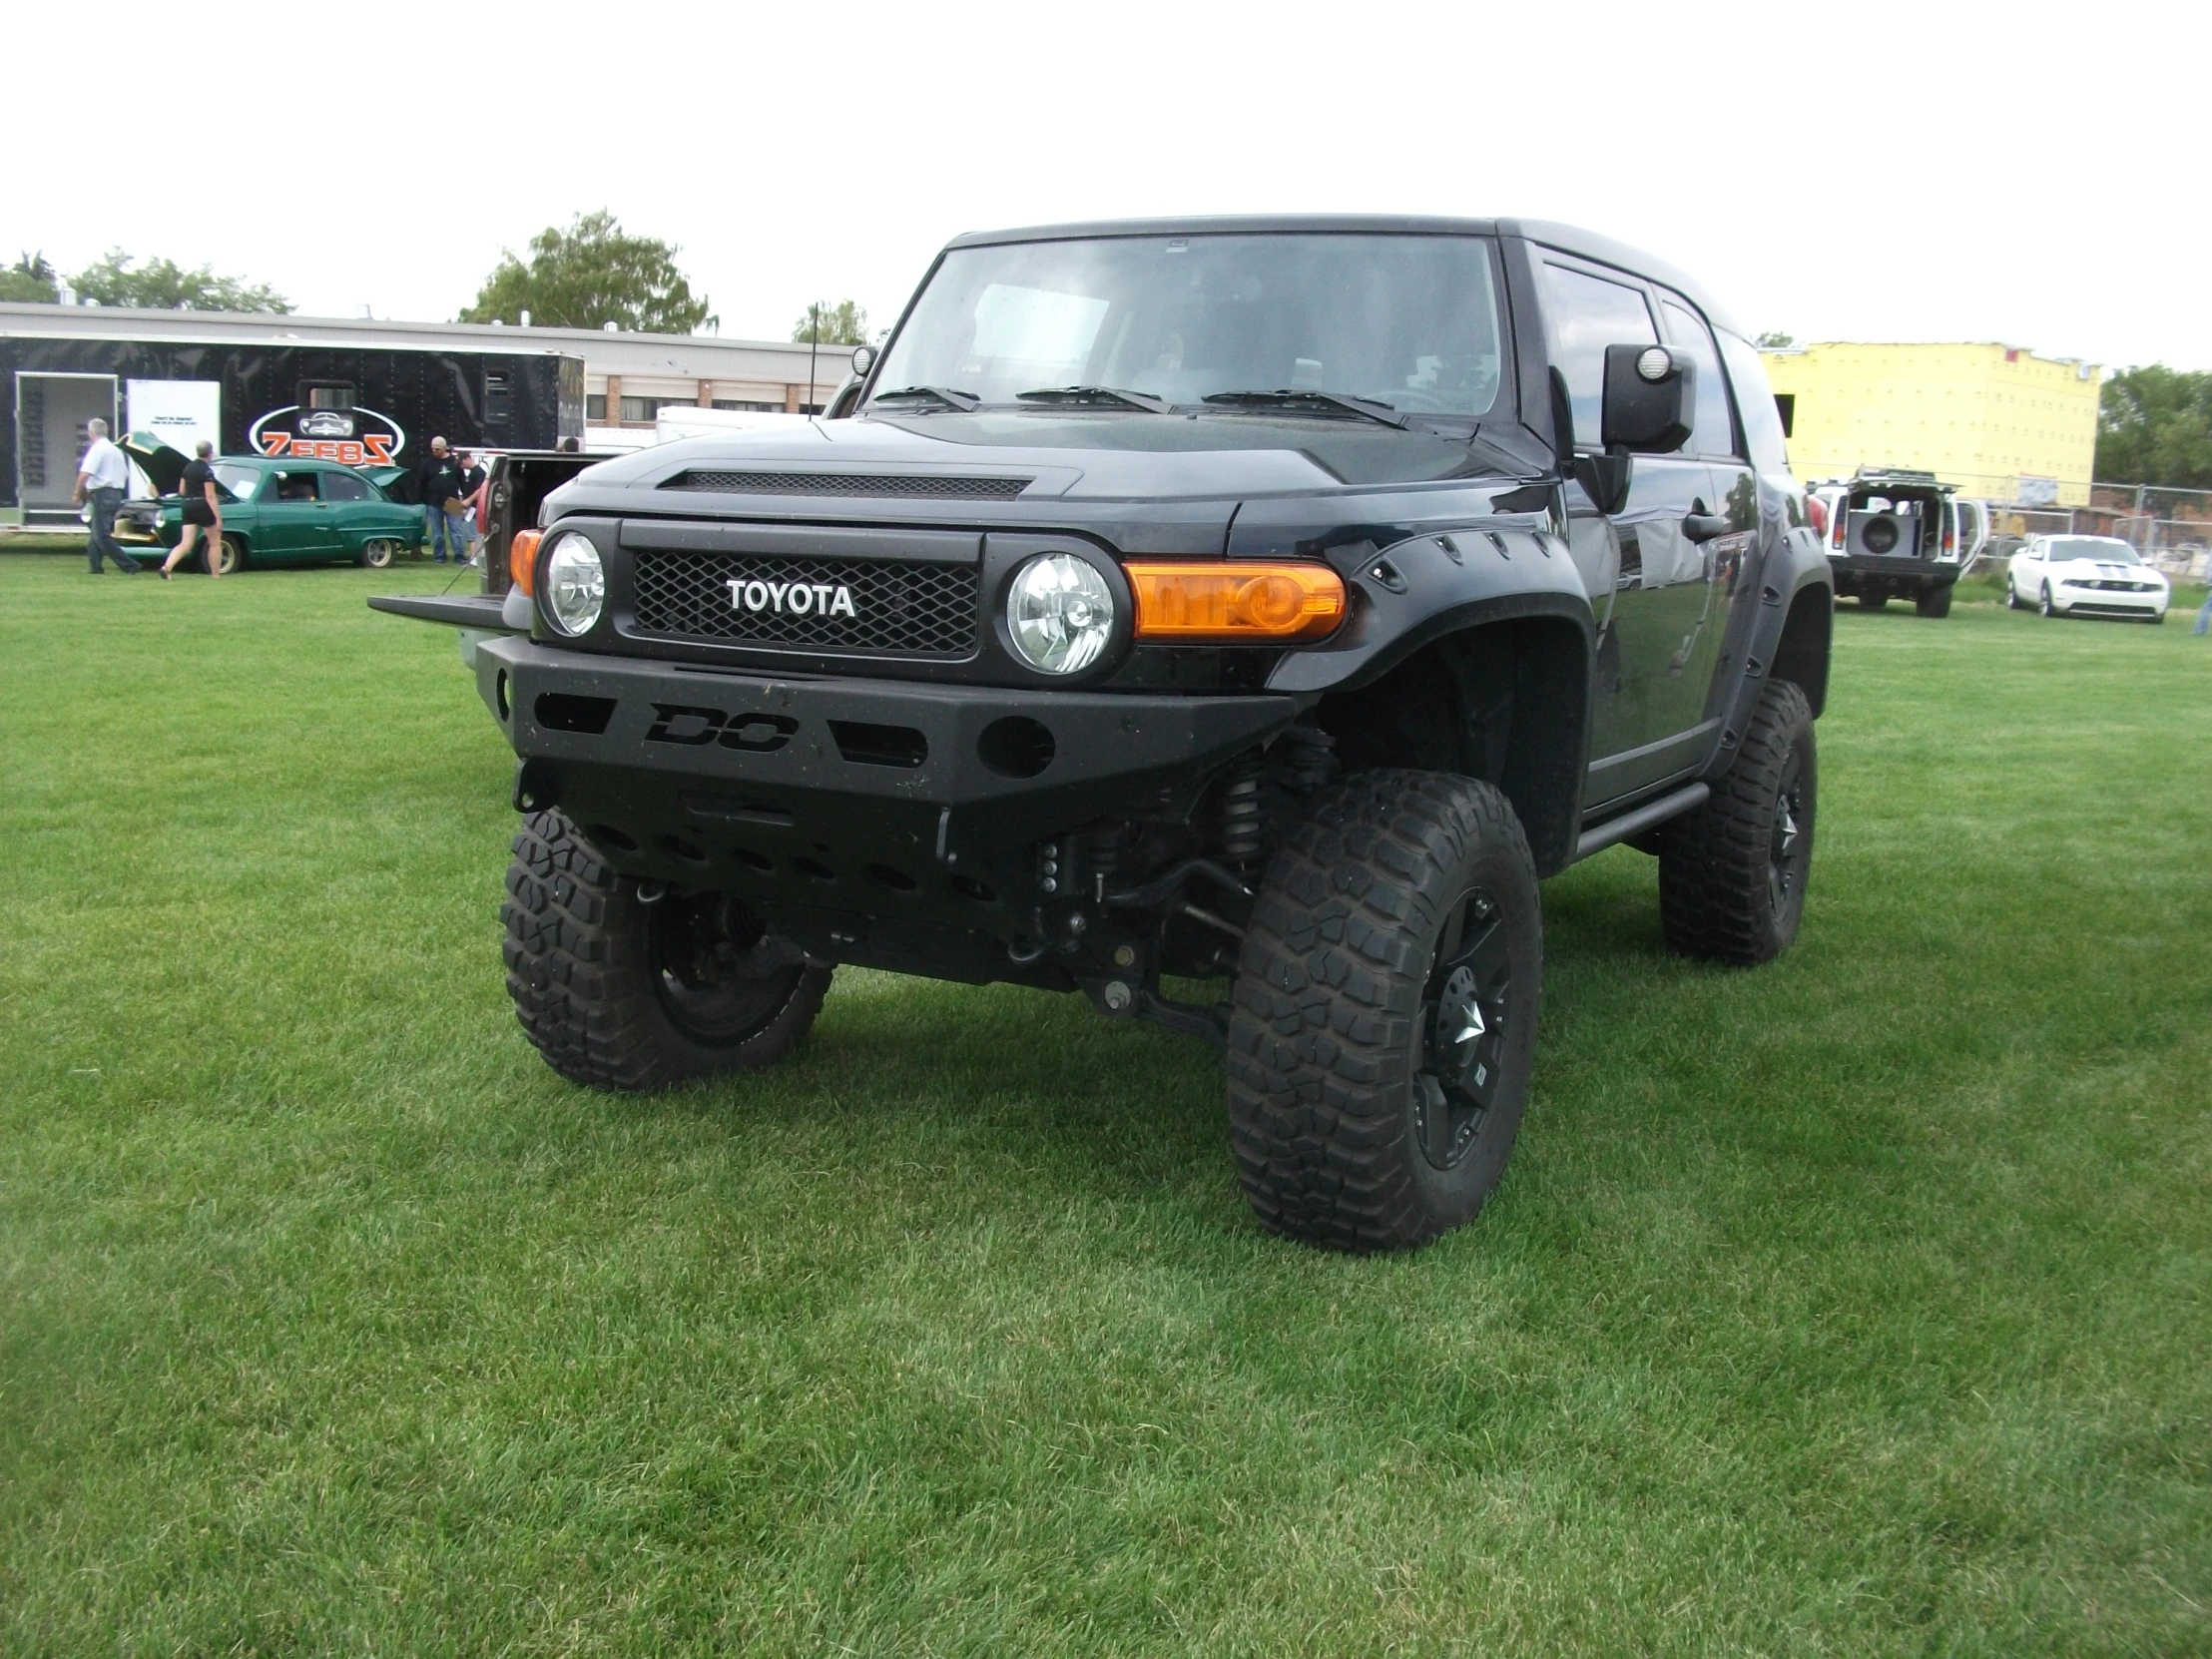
[2072,601]
[882,821]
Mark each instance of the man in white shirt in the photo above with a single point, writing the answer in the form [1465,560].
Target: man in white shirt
[101,477]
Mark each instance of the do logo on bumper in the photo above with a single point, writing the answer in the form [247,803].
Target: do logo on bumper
[686,723]
[792,598]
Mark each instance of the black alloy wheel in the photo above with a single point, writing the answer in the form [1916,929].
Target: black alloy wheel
[1789,842]
[715,971]
[1465,1009]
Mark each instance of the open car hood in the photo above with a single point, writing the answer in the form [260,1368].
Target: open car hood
[163,465]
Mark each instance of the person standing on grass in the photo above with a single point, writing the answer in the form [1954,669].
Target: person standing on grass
[2204,617]
[437,483]
[203,513]
[475,490]
[102,476]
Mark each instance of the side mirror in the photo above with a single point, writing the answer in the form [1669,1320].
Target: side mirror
[1649,393]
[863,359]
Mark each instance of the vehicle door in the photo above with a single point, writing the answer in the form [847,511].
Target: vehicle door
[1638,691]
[354,512]
[294,519]
[1712,553]
[1973,529]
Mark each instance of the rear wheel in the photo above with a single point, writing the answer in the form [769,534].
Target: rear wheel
[1383,1025]
[1934,602]
[619,993]
[1872,601]
[378,553]
[1732,874]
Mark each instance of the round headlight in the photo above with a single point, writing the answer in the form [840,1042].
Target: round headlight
[575,584]
[1059,613]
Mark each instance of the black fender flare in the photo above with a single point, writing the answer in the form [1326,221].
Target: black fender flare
[1425,587]
[1796,574]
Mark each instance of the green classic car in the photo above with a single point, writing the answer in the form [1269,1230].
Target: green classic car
[297,512]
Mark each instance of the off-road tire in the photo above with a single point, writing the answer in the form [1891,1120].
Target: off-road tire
[1328,1028]
[1935,602]
[584,989]
[1719,894]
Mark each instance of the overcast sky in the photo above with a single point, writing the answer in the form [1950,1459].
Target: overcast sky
[2029,174]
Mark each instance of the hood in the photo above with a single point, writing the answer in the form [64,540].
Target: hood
[1101,455]
[163,466]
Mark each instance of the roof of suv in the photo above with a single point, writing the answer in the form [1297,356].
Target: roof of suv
[1567,239]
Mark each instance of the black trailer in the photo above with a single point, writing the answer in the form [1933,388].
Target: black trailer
[362,405]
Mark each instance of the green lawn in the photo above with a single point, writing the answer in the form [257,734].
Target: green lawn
[1858,1304]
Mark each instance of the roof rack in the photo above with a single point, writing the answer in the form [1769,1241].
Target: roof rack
[1895,474]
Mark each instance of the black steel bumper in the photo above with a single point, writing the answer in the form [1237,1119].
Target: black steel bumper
[886,823]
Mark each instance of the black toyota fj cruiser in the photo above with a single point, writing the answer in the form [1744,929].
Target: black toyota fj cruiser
[1269,599]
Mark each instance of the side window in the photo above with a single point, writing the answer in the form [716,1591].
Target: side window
[1586,315]
[1711,430]
[295,486]
[345,486]
[1755,401]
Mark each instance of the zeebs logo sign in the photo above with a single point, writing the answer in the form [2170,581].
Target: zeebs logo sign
[351,438]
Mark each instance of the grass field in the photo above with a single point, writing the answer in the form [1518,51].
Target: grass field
[1860,1305]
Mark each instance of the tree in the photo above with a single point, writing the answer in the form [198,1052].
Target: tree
[30,280]
[1774,339]
[589,276]
[845,324]
[2154,426]
[163,284]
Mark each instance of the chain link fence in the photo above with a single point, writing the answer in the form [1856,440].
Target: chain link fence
[2170,529]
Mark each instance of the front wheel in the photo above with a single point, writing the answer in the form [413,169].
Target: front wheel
[1732,874]
[2043,605]
[1382,1030]
[224,558]
[619,993]
[2013,596]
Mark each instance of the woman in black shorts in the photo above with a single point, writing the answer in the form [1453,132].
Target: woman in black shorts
[203,514]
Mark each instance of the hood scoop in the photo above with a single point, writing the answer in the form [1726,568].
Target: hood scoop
[937,486]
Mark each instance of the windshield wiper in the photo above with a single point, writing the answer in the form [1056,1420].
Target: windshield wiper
[961,401]
[1112,395]
[1367,408]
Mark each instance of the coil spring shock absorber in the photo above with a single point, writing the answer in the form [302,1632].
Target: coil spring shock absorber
[1240,836]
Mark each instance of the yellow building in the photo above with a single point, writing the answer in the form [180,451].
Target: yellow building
[1997,420]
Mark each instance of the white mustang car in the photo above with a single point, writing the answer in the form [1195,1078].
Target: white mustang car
[2084,576]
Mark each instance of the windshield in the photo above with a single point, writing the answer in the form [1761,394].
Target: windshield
[2063,548]
[1412,321]
[240,482]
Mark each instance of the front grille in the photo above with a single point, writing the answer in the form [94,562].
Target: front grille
[848,483]
[903,606]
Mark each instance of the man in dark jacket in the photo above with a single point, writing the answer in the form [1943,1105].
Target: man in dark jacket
[437,481]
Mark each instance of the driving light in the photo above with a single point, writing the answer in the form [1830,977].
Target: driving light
[575,584]
[1654,364]
[1235,604]
[522,560]
[1059,613]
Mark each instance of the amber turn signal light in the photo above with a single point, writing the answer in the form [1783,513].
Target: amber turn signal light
[1246,603]
[522,560]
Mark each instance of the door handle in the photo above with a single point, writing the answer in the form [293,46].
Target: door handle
[1704,526]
